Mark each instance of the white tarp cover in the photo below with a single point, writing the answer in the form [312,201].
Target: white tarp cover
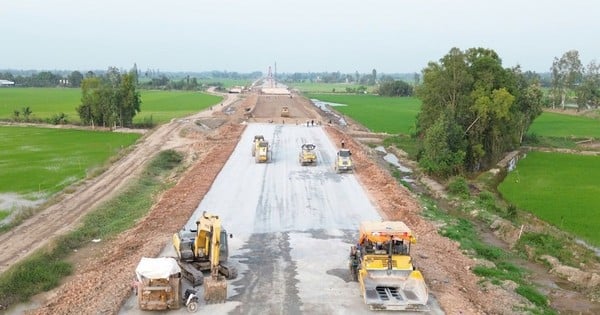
[156,268]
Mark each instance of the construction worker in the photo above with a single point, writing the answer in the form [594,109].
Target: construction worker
[343,143]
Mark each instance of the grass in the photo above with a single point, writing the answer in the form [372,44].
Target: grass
[227,83]
[44,269]
[3,214]
[159,106]
[394,115]
[464,232]
[162,106]
[562,189]
[317,87]
[560,125]
[44,160]
[404,142]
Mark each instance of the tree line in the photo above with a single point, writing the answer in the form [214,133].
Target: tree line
[572,82]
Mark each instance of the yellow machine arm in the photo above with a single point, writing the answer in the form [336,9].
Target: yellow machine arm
[215,247]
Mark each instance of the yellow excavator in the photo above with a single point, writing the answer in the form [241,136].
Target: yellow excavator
[382,265]
[205,249]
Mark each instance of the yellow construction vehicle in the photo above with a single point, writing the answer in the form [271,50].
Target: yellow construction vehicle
[343,161]
[382,264]
[255,142]
[307,154]
[263,152]
[205,249]
[285,111]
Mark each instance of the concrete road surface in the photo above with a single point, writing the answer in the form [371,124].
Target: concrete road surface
[292,228]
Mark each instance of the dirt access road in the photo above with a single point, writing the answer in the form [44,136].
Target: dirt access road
[105,270]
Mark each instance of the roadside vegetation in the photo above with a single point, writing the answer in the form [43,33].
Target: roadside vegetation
[44,269]
[494,263]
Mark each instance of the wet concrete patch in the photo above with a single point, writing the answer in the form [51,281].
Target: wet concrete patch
[343,274]
[269,284]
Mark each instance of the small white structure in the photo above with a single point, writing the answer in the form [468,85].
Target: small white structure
[6,83]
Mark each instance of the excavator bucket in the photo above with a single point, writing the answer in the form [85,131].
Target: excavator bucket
[215,290]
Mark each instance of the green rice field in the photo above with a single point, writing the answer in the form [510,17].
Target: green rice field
[36,162]
[162,106]
[395,115]
[559,125]
[159,106]
[315,87]
[562,189]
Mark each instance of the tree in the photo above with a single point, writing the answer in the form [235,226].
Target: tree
[566,73]
[373,77]
[395,88]
[26,112]
[134,71]
[588,92]
[75,79]
[444,151]
[478,110]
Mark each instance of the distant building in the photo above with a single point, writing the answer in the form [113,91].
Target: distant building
[5,83]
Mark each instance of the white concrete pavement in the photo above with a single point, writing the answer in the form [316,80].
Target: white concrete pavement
[292,225]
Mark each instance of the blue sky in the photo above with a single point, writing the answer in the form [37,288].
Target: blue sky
[301,36]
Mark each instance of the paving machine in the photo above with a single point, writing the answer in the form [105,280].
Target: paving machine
[158,284]
[343,161]
[382,265]
[205,249]
[307,154]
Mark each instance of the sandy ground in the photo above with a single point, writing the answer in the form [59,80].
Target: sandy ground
[291,233]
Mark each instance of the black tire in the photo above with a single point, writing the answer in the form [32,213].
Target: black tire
[233,273]
[192,307]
